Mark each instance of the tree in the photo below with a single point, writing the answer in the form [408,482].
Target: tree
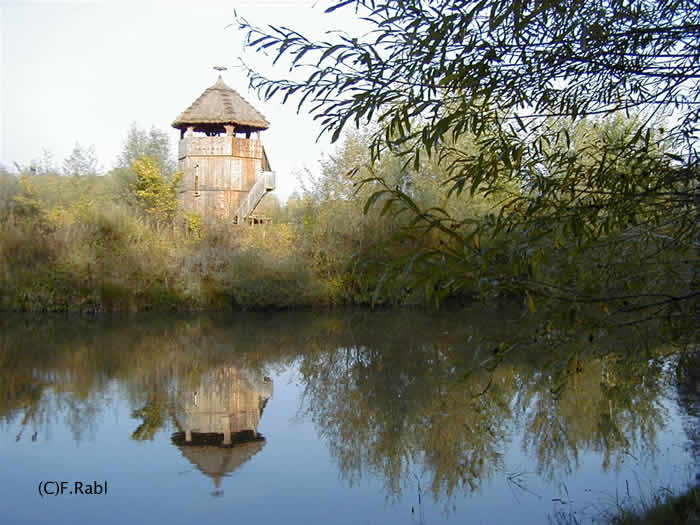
[141,143]
[81,162]
[457,62]
[156,195]
[45,164]
[9,188]
[270,206]
[153,415]
[518,79]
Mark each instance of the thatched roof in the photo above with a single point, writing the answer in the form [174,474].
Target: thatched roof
[217,462]
[220,105]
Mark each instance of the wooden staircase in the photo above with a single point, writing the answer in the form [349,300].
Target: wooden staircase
[264,183]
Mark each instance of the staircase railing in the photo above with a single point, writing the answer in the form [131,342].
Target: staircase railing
[264,183]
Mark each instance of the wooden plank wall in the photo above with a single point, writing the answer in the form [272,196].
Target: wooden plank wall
[228,168]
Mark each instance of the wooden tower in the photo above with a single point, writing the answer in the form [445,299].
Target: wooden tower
[226,171]
[219,420]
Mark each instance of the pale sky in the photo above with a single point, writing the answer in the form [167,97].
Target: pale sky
[83,71]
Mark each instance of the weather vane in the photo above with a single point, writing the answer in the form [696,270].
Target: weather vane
[220,68]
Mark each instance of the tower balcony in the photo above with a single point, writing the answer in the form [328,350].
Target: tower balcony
[219,146]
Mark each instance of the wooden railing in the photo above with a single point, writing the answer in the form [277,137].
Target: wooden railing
[264,183]
[221,146]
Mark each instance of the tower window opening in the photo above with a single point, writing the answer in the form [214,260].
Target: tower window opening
[196,181]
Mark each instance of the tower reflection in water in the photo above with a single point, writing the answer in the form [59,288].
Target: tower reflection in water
[218,420]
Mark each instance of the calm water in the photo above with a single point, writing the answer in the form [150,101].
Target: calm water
[352,417]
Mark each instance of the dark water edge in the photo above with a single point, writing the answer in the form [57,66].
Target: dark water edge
[385,416]
[688,384]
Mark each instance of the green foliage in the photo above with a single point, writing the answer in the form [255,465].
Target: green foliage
[270,207]
[55,200]
[665,509]
[194,223]
[266,271]
[326,246]
[464,66]
[141,143]
[519,104]
[153,416]
[101,258]
[9,189]
[322,247]
[155,195]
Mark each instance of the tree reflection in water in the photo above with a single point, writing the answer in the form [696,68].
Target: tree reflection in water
[429,406]
[393,393]
[688,374]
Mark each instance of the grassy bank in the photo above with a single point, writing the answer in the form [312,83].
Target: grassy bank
[664,509]
[108,259]
[119,242]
